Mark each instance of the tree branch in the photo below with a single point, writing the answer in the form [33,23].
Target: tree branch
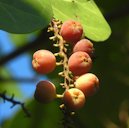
[14,103]
[43,37]
[24,80]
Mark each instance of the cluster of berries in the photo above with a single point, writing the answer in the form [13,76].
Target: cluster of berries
[79,64]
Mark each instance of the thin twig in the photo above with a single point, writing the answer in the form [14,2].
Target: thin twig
[14,102]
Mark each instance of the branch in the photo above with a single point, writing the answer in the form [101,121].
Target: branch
[27,80]
[68,81]
[43,37]
[68,119]
[14,103]
[62,45]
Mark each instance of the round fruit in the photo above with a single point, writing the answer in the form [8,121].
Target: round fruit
[79,63]
[45,92]
[44,61]
[74,99]
[88,84]
[71,31]
[84,45]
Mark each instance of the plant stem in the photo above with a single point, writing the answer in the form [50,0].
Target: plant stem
[14,103]
[68,81]
[56,24]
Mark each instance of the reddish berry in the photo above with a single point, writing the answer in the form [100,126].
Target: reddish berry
[45,92]
[44,61]
[71,31]
[74,99]
[84,45]
[88,84]
[79,63]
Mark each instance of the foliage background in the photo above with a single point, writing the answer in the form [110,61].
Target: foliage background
[109,107]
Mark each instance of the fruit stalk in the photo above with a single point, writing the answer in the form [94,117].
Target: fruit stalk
[62,44]
[66,74]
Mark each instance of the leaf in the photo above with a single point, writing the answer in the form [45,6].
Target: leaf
[24,16]
[85,11]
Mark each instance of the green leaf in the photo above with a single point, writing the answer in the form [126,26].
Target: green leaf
[85,11]
[24,16]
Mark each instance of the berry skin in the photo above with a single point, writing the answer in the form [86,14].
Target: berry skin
[44,61]
[74,99]
[71,31]
[79,63]
[45,92]
[88,84]
[84,45]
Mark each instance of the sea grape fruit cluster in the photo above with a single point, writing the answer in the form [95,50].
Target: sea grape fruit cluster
[79,64]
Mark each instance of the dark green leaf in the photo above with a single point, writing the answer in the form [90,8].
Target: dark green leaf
[24,16]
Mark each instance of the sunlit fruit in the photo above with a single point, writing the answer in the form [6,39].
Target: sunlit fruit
[71,31]
[88,84]
[84,45]
[43,61]
[74,99]
[79,63]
